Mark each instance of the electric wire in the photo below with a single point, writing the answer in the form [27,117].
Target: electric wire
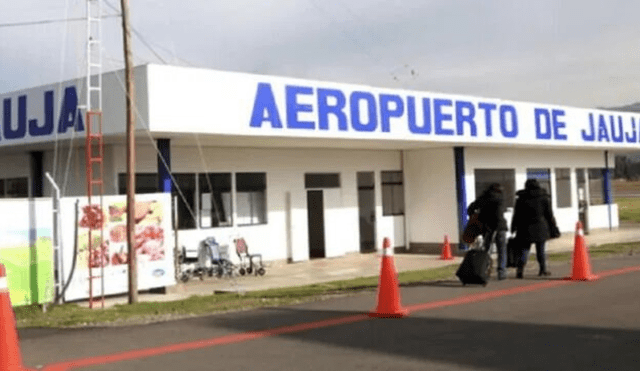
[50,21]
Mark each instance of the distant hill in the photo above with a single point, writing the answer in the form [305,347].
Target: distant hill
[635,107]
[627,165]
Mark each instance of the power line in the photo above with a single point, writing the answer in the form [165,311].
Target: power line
[49,21]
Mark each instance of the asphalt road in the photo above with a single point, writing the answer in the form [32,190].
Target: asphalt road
[530,324]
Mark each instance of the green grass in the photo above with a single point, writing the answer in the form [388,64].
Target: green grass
[629,209]
[70,315]
[601,251]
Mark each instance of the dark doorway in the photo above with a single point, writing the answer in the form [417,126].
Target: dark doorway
[583,204]
[315,211]
[367,211]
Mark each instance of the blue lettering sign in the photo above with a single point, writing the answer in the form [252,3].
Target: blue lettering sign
[264,108]
[634,137]
[591,136]
[543,129]
[616,136]
[69,112]
[47,128]
[602,129]
[8,132]
[465,112]
[337,109]
[356,120]
[558,125]
[386,112]
[487,108]
[509,111]
[293,107]
[426,116]
[440,117]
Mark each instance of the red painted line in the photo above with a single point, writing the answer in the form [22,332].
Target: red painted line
[253,335]
[485,296]
[616,272]
[199,344]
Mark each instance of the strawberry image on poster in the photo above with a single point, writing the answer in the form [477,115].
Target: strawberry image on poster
[119,257]
[118,233]
[150,241]
[99,255]
[92,217]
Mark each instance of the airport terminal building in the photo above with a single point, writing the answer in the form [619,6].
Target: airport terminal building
[311,169]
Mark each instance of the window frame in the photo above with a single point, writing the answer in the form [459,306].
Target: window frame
[228,213]
[259,213]
[562,182]
[389,201]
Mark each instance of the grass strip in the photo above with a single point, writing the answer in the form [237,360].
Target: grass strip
[629,209]
[73,315]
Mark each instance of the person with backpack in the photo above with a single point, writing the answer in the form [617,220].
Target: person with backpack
[533,223]
[490,208]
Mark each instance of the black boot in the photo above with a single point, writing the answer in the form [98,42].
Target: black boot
[519,272]
[543,270]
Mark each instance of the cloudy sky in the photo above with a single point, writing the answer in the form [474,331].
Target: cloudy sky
[572,52]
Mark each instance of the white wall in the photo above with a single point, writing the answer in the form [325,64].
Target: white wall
[285,169]
[599,216]
[431,195]
[521,160]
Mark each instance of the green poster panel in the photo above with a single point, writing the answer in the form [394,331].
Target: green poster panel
[29,272]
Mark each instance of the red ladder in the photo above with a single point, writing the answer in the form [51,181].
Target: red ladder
[94,152]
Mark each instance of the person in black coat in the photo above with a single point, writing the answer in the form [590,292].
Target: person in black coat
[532,222]
[490,206]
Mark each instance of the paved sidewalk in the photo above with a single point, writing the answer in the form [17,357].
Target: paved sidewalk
[281,274]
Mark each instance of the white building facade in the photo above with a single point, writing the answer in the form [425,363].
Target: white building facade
[309,169]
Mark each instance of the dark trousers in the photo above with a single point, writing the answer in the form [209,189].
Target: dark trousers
[499,237]
[540,255]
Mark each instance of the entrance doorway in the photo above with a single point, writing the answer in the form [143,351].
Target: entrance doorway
[367,211]
[583,204]
[315,213]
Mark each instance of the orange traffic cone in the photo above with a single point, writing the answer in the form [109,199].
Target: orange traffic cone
[446,249]
[388,288]
[581,264]
[10,358]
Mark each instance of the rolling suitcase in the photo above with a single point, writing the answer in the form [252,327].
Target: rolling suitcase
[475,267]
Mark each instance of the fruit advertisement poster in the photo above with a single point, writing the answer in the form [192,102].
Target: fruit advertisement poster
[102,252]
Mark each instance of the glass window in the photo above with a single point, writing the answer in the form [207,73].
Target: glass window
[563,187]
[185,191]
[543,176]
[251,197]
[596,187]
[16,188]
[322,180]
[392,193]
[506,177]
[215,199]
[145,183]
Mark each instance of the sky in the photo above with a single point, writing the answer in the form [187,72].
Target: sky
[581,53]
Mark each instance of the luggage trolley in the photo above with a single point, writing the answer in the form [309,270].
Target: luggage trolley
[220,260]
[211,259]
[247,264]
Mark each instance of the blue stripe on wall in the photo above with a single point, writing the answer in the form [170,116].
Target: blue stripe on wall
[461,192]
[164,171]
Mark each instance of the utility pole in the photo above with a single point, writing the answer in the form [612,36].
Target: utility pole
[131,155]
